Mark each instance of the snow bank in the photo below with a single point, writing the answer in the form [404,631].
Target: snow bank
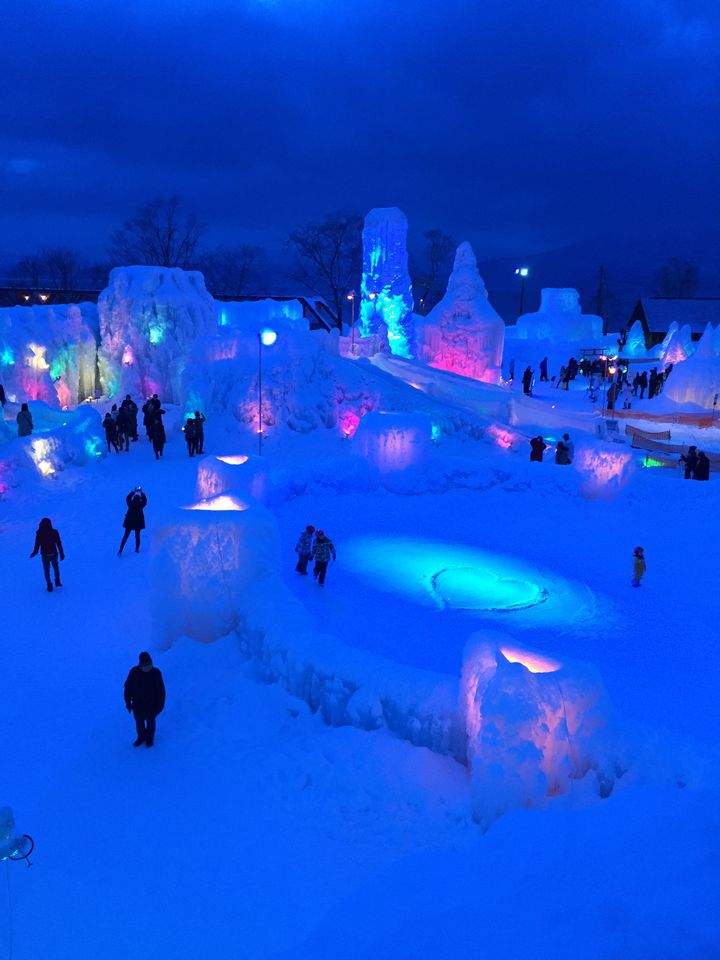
[386,290]
[559,319]
[149,317]
[533,725]
[463,333]
[48,353]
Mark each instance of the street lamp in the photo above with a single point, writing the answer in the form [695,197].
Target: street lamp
[522,272]
[351,297]
[266,338]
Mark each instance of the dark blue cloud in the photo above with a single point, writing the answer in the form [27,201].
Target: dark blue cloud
[519,125]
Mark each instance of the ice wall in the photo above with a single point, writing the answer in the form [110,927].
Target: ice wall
[559,319]
[463,333]
[149,317]
[533,725]
[253,315]
[386,290]
[208,560]
[49,352]
[394,441]
[243,474]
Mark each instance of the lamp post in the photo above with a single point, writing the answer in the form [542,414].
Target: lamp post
[266,338]
[522,272]
[351,297]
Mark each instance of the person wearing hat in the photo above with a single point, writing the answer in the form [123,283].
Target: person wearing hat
[303,548]
[144,698]
[134,518]
[322,550]
[639,565]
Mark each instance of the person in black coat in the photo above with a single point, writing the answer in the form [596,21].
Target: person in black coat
[145,698]
[110,428]
[48,542]
[134,518]
[131,411]
[690,460]
[537,448]
[562,453]
[643,383]
[527,380]
[190,436]
[199,432]
[702,467]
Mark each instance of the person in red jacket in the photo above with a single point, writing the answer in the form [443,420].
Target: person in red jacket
[48,542]
[145,698]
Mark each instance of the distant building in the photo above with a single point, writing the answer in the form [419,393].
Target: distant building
[657,313]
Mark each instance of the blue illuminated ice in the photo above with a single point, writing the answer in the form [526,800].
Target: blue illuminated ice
[387,301]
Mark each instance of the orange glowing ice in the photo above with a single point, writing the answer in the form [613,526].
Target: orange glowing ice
[532,661]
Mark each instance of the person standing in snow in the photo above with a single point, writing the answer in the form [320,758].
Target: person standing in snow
[561,453]
[560,377]
[189,431]
[124,427]
[639,566]
[199,432]
[537,448]
[570,447]
[304,549]
[3,399]
[110,428]
[702,467]
[690,460]
[144,698]
[48,542]
[543,369]
[527,381]
[131,413]
[157,428]
[134,518]
[322,550]
[24,421]
[511,371]
[643,383]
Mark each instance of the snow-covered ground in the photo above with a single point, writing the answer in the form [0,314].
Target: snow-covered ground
[254,830]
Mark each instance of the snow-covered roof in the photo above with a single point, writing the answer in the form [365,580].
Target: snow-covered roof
[697,313]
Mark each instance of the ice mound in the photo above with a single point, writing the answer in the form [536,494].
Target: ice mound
[394,441]
[559,319]
[149,317]
[463,333]
[240,473]
[534,725]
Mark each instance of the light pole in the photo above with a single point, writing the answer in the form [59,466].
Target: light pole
[522,272]
[266,338]
[351,297]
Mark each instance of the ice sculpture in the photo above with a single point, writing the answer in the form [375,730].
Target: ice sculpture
[635,343]
[48,352]
[559,319]
[149,317]
[463,333]
[394,441]
[387,303]
[209,562]
[533,725]
[697,379]
[675,351]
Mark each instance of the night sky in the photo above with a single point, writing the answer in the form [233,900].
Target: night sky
[525,127]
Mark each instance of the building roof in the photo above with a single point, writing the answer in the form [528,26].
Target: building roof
[660,312]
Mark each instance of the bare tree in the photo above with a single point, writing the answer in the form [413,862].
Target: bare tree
[430,279]
[160,234]
[229,272]
[606,302]
[329,257]
[676,278]
[57,268]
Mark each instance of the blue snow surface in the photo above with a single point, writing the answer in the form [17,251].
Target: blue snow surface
[253,830]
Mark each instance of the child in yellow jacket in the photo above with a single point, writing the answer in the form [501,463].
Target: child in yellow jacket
[638,566]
